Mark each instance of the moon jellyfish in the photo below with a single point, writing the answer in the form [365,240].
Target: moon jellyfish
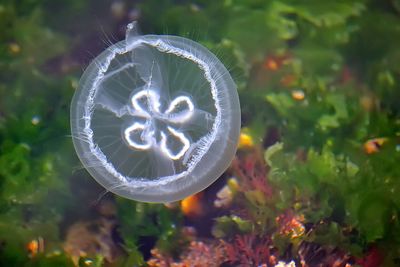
[155,118]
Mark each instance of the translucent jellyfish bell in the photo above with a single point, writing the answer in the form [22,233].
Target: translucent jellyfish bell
[155,118]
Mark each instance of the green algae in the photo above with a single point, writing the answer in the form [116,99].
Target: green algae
[343,59]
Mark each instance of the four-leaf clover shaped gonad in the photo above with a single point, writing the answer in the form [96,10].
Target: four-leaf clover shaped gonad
[142,135]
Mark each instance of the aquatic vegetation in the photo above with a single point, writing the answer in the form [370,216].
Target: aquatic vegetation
[248,250]
[197,254]
[155,118]
[91,238]
[226,194]
[312,254]
[283,264]
[314,181]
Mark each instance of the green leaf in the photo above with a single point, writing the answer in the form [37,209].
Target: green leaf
[271,151]
[135,258]
[338,103]
[373,217]
[226,226]
[241,28]
[326,13]
[282,102]
[351,169]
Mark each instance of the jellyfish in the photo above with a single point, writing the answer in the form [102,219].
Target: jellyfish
[155,118]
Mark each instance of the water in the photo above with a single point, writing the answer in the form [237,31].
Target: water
[315,179]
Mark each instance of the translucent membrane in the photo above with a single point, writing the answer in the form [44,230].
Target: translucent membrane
[155,118]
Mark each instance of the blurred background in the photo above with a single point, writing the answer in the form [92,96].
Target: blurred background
[316,179]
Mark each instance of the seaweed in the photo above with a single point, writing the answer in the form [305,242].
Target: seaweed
[315,180]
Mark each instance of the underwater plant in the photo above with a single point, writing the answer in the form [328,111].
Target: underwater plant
[197,254]
[248,250]
[318,83]
[155,118]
